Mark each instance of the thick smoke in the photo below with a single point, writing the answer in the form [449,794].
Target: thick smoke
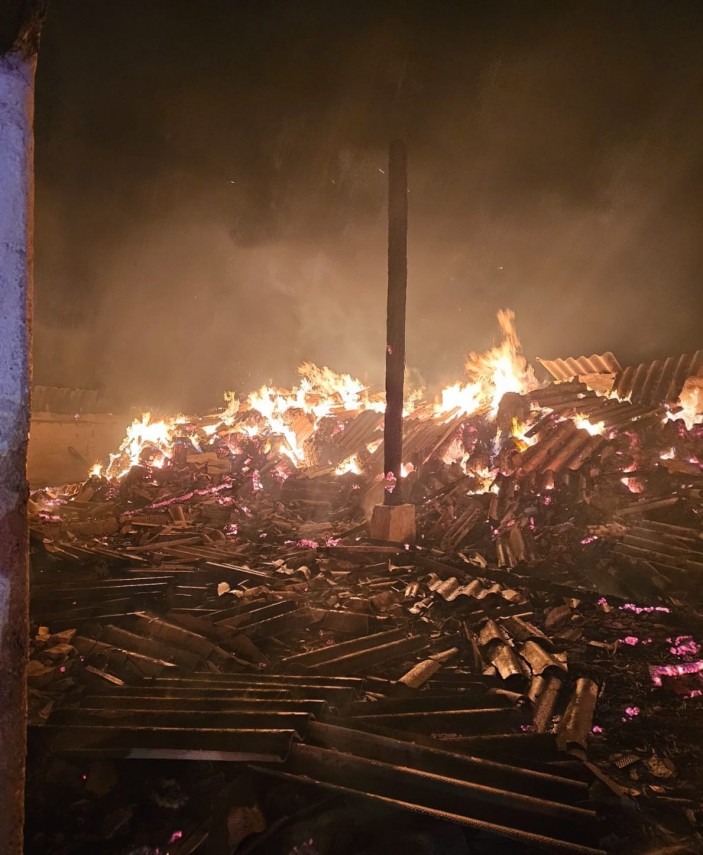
[211,186]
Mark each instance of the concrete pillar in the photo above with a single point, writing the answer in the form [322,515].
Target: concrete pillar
[19,31]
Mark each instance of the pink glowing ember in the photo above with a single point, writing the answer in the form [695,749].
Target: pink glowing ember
[644,610]
[681,670]
[176,500]
[684,645]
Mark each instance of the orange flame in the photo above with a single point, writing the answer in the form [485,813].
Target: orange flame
[287,417]
[582,422]
[142,434]
[501,369]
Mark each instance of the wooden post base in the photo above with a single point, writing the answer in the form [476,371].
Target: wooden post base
[393,523]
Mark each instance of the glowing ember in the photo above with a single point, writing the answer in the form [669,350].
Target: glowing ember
[634,485]
[683,670]
[684,645]
[644,610]
[486,480]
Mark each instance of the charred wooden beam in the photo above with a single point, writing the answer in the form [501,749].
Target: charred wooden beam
[152,743]
[395,319]
[521,817]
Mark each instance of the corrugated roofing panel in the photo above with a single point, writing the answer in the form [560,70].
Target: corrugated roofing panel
[568,400]
[563,446]
[660,381]
[577,366]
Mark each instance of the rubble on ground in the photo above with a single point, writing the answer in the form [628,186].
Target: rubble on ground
[529,670]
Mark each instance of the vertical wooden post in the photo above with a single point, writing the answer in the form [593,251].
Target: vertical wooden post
[395,320]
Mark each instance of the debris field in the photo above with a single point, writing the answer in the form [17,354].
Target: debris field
[525,677]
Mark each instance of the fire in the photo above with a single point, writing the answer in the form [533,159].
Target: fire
[272,407]
[519,432]
[284,419]
[634,485]
[335,391]
[460,400]
[144,437]
[486,481]
[501,369]
[690,402]
[594,428]
[350,465]
[321,392]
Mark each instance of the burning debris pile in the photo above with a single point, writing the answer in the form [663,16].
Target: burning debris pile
[524,668]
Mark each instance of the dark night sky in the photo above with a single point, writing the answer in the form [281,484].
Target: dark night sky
[211,187]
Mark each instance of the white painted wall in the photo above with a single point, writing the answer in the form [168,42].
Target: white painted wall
[16,167]
[16,221]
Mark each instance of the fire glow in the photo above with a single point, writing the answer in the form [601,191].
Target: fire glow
[490,375]
[288,417]
[324,402]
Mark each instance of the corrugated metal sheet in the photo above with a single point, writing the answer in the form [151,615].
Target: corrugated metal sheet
[561,393]
[55,399]
[577,366]
[668,547]
[385,768]
[563,446]
[311,719]
[421,439]
[571,399]
[660,381]
[358,433]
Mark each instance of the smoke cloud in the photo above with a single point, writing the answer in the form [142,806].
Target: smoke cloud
[211,187]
